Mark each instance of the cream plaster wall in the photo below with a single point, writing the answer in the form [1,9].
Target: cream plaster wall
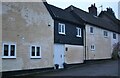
[102,44]
[74,54]
[0,38]
[26,23]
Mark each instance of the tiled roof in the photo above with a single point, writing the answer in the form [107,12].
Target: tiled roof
[94,20]
[112,18]
[61,14]
[75,15]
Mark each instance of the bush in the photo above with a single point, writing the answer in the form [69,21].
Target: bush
[116,50]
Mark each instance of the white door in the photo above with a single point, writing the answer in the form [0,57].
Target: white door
[59,50]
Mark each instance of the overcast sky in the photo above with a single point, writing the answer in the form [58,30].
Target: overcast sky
[84,4]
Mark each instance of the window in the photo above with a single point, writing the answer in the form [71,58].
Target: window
[9,50]
[92,47]
[78,32]
[61,28]
[105,34]
[35,51]
[91,30]
[114,36]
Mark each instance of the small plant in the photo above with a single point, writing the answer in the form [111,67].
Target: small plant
[116,51]
[65,65]
[56,66]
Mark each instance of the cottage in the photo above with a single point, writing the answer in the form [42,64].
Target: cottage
[110,16]
[27,36]
[38,35]
[99,33]
[68,37]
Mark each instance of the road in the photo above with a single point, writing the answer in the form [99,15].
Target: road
[104,68]
[107,68]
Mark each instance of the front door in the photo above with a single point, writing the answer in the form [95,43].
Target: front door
[59,50]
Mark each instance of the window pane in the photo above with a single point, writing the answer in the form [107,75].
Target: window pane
[62,28]
[59,28]
[105,33]
[77,31]
[12,52]
[6,47]
[114,36]
[33,51]
[91,29]
[38,51]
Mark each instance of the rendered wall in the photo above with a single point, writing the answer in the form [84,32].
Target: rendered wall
[26,23]
[74,54]
[102,44]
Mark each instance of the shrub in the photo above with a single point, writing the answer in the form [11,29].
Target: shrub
[116,50]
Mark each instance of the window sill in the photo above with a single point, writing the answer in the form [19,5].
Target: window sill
[91,33]
[92,49]
[78,36]
[9,57]
[62,33]
[35,57]
[105,36]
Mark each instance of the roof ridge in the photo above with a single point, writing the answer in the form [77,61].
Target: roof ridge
[56,7]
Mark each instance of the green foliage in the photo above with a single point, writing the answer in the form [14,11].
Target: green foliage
[116,50]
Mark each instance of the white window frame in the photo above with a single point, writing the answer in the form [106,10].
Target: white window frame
[60,26]
[106,33]
[90,30]
[9,49]
[35,51]
[92,49]
[78,32]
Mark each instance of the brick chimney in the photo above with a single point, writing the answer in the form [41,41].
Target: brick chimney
[93,10]
[110,11]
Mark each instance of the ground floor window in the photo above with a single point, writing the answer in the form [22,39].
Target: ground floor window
[9,50]
[35,51]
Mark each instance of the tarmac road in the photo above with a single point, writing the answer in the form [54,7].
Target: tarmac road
[108,69]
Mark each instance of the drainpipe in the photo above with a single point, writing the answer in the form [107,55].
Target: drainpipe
[85,43]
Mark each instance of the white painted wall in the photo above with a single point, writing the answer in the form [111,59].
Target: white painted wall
[59,50]
[102,44]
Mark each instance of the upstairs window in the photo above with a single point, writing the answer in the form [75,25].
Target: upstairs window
[78,32]
[105,33]
[9,50]
[91,30]
[35,51]
[114,36]
[61,28]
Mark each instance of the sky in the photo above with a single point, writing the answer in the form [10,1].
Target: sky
[84,4]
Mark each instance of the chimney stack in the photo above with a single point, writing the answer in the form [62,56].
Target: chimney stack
[93,10]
